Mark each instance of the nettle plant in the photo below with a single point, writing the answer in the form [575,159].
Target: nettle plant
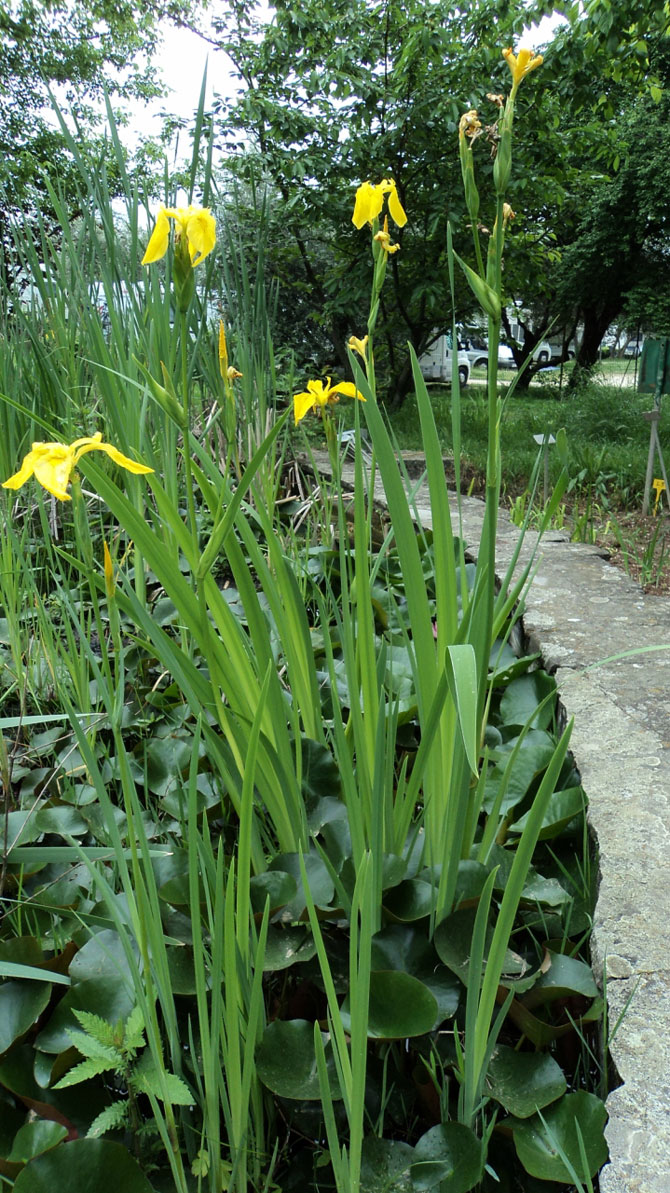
[310,869]
[113,1049]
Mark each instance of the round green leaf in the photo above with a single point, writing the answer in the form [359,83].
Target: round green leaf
[400,1006]
[275,884]
[411,900]
[534,756]
[540,1140]
[102,956]
[470,882]
[35,1138]
[286,1060]
[64,820]
[453,941]
[401,946]
[385,1165]
[566,976]
[563,806]
[449,1152]
[166,759]
[522,696]
[320,883]
[21,1003]
[524,1082]
[110,997]
[320,772]
[406,947]
[182,970]
[287,946]
[87,1165]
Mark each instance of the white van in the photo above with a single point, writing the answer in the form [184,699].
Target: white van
[436,362]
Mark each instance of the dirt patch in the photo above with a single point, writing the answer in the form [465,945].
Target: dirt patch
[640,546]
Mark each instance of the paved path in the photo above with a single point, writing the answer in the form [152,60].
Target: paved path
[580,611]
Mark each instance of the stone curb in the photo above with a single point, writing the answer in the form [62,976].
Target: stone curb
[578,612]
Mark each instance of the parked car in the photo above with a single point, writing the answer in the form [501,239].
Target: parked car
[542,354]
[437,361]
[479,357]
[633,349]
[557,353]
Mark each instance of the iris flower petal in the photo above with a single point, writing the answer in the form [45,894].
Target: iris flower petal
[52,464]
[158,241]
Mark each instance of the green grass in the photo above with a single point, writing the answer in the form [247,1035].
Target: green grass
[607,437]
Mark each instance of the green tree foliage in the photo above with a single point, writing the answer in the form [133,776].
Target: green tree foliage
[618,263]
[75,50]
[338,91]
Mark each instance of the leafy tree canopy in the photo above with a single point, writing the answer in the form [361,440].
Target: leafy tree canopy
[76,49]
[336,91]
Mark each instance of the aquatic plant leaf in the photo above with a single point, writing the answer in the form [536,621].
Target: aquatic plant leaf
[540,1140]
[524,1082]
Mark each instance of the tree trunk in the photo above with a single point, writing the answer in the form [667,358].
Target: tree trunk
[596,320]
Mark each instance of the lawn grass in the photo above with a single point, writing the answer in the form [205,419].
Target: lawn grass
[607,437]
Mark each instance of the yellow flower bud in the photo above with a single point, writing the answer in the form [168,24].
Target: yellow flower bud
[385,240]
[359,346]
[108,567]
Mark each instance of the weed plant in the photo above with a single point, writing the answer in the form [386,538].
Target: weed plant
[288,888]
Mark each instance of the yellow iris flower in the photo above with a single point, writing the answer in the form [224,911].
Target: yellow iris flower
[370,200]
[521,64]
[53,463]
[197,224]
[319,396]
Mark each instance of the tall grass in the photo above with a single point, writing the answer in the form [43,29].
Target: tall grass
[243,671]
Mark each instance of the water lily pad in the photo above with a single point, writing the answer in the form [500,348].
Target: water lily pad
[35,1138]
[565,976]
[400,1006]
[449,1152]
[103,955]
[64,820]
[320,883]
[470,882]
[411,900]
[166,759]
[276,885]
[21,1004]
[533,757]
[547,891]
[286,1060]
[524,1082]
[453,941]
[385,1165]
[87,1165]
[320,772]
[540,1140]
[406,947]
[182,970]
[563,806]
[288,946]
[521,697]
[109,997]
